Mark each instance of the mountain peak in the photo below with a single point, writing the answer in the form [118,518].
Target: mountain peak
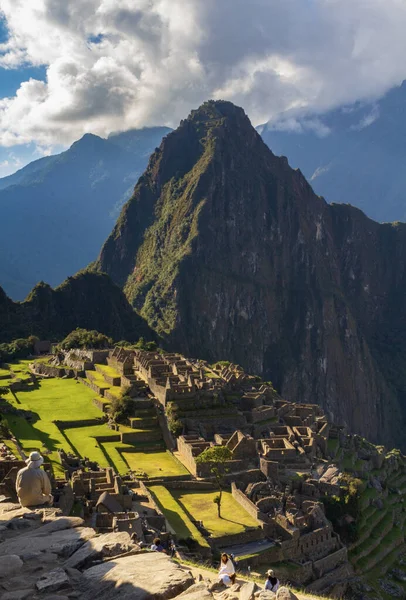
[213,110]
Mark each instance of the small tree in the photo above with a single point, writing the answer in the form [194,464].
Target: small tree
[217,457]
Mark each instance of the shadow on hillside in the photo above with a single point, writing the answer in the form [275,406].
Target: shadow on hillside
[21,430]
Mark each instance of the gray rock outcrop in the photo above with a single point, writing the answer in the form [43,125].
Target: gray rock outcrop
[139,577]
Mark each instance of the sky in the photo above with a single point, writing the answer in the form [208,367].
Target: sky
[68,67]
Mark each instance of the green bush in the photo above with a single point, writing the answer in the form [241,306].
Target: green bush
[19,348]
[175,427]
[121,408]
[140,345]
[83,338]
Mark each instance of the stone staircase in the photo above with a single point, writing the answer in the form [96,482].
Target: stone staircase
[144,423]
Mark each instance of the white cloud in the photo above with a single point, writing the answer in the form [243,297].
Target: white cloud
[368,119]
[10,165]
[117,64]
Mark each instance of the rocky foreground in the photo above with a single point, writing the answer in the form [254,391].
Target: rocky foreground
[45,555]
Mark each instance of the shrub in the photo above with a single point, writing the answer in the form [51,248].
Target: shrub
[19,348]
[175,427]
[121,408]
[140,345]
[83,338]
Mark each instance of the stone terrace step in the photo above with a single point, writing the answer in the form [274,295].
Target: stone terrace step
[142,403]
[143,422]
[147,435]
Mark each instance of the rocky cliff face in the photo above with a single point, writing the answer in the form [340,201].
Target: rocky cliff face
[88,300]
[228,253]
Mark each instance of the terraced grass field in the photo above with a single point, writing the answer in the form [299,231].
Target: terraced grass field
[177,517]
[69,400]
[154,464]
[201,507]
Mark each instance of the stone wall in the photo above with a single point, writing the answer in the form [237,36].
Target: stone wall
[246,503]
[314,545]
[103,406]
[97,390]
[192,485]
[269,468]
[342,573]
[107,438]
[81,423]
[50,371]
[94,356]
[330,562]
[299,574]
[250,535]
[266,557]
[110,380]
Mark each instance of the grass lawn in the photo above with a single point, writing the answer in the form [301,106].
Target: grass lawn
[109,371]
[154,464]
[97,378]
[83,443]
[202,508]
[178,519]
[54,399]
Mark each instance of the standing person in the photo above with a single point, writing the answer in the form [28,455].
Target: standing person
[32,484]
[271,583]
[172,548]
[226,570]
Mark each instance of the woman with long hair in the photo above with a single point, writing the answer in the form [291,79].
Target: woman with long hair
[226,570]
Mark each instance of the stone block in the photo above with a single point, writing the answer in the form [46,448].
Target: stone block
[108,544]
[198,591]
[285,594]
[247,591]
[53,581]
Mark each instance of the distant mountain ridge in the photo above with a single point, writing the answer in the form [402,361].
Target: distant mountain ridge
[87,300]
[226,251]
[57,210]
[354,155]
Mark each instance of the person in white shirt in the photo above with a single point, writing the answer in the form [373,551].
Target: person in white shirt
[226,570]
[271,583]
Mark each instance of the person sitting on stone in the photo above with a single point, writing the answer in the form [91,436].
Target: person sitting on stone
[32,484]
[157,546]
[226,570]
[271,583]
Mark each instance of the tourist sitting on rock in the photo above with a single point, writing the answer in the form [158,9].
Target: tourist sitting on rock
[271,583]
[32,483]
[226,570]
[156,546]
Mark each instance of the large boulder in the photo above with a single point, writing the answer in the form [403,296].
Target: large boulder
[138,577]
[248,590]
[108,544]
[198,591]
[285,594]
[63,542]
[10,565]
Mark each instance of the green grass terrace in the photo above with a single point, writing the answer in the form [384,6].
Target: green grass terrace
[182,507]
